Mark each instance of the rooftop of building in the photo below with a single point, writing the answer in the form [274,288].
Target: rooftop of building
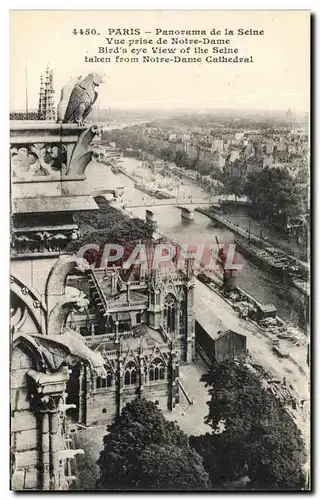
[142,336]
[116,296]
[208,320]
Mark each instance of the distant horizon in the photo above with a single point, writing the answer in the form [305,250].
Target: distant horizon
[179,111]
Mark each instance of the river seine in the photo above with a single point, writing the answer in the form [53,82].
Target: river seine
[260,284]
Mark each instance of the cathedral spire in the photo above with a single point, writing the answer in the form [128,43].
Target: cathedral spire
[46,108]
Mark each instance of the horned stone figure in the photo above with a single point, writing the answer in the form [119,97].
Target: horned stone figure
[82,98]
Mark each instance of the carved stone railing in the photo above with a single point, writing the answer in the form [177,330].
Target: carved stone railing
[129,306]
[48,163]
[44,239]
[46,149]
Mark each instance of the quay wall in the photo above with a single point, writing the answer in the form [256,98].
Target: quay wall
[241,232]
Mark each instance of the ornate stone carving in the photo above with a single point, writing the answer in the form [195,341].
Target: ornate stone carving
[82,98]
[62,150]
[38,160]
[18,316]
[42,241]
[23,301]
[62,309]
[68,349]
[82,154]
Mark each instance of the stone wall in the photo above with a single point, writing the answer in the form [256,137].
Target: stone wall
[101,407]
[158,392]
[25,439]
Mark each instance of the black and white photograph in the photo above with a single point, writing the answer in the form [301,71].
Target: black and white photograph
[160,250]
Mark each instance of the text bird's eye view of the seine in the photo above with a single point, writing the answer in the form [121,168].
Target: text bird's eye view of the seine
[160,250]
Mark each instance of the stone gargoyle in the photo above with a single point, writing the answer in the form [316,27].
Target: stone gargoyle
[67,350]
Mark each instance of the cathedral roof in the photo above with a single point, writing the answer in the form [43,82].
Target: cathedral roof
[114,295]
[144,336]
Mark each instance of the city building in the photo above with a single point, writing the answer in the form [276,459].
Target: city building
[143,329]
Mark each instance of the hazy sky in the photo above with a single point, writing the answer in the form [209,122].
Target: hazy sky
[278,78]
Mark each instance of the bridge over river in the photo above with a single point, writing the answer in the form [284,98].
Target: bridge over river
[191,202]
[182,201]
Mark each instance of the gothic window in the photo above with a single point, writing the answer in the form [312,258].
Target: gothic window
[156,370]
[109,378]
[109,325]
[157,297]
[102,383]
[127,378]
[170,313]
[182,314]
[130,374]
[124,327]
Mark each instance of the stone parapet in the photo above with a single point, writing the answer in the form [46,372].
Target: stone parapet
[48,163]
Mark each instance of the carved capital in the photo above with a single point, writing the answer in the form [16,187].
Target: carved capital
[47,389]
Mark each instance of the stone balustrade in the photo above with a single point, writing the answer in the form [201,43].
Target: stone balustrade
[48,163]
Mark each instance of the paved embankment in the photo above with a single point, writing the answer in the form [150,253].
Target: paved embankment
[236,229]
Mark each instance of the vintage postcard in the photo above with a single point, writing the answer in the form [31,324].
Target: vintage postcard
[160,250]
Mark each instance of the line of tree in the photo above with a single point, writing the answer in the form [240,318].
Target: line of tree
[143,451]
[131,137]
[276,197]
[254,443]
[107,225]
[260,447]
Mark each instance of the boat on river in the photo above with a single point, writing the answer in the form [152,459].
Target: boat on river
[269,258]
[282,266]
[187,215]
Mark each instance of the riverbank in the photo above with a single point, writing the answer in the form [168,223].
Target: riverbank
[201,231]
[244,232]
[275,237]
[298,289]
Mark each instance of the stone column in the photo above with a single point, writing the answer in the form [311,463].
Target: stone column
[54,449]
[117,332]
[173,399]
[45,451]
[92,331]
[114,280]
[177,320]
[119,396]
[141,374]
[190,325]
[82,387]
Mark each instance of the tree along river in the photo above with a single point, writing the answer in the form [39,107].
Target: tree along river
[265,287]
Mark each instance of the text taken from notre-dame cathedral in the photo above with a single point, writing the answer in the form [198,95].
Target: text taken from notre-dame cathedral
[164,46]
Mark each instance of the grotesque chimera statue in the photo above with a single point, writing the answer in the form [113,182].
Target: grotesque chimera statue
[65,96]
[82,98]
